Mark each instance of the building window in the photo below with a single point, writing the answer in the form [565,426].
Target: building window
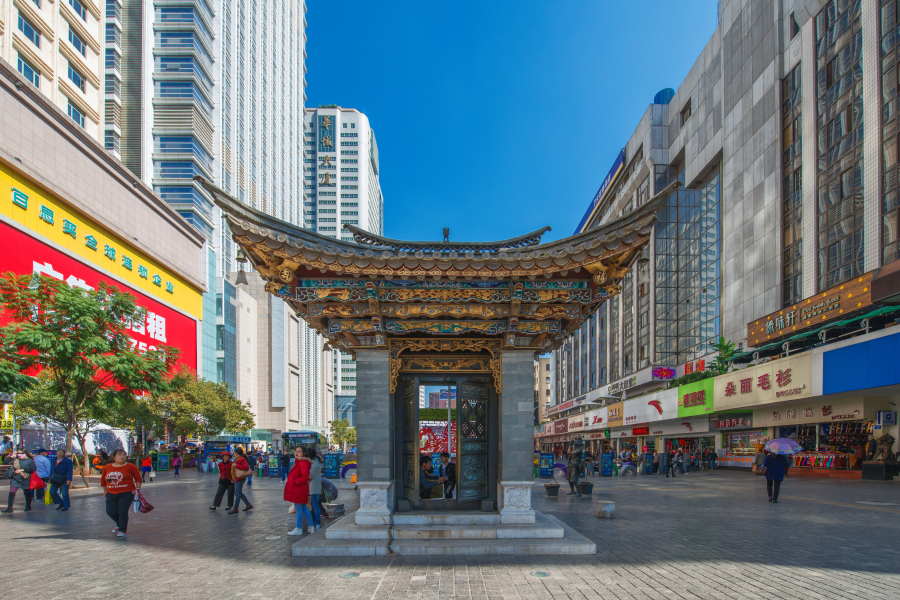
[113,34]
[792,214]
[113,10]
[686,112]
[79,9]
[76,78]
[30,73]
[113,60]
[890,236]
[111,141]
[113,86]
[76,114]
[30,31]
[77,42]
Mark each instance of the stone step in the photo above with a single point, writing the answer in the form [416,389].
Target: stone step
[446,518]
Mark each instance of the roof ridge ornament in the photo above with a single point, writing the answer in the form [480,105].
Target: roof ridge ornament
[363,237]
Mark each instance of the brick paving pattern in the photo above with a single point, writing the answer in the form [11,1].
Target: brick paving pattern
[708,535]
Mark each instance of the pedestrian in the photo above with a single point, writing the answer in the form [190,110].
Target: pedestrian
[146,468]
[774,468]
[226,484]
[285,462]
[656,462]
[42,466]
[19,475]
[670,463]
[61,479]
[241,470]
[251,460]
[120,479]
[315,486]
[296,490]
[176,464]
[713,459]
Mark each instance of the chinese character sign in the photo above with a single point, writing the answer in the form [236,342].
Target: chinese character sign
[782,380]
[695,398]
[154,326]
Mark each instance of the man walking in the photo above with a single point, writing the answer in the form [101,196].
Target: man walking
[43,467]
[285,465]
[448,472]
[60,480]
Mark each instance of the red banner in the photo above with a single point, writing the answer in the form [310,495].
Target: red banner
[433,438]
[23,255]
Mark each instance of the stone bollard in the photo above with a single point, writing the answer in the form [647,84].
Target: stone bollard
[605,508]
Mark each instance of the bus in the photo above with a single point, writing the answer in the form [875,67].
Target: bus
[292,439]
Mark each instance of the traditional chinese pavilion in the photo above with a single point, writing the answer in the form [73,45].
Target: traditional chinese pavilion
[414,313]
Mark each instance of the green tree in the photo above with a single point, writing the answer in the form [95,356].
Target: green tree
[79,341]
[201,407]
[727,351]
[342,434]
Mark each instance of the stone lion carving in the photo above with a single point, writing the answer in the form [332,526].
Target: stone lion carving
[885,443]
[374,499]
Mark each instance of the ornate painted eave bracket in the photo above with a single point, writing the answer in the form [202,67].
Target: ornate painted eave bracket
[400,348]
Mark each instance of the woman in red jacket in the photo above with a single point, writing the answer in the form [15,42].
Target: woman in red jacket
[240,472]
[296,490]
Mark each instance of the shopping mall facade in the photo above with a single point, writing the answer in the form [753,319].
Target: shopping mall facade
[69,210]
[788,249]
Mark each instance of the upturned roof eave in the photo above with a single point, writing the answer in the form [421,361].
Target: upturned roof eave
[281,233]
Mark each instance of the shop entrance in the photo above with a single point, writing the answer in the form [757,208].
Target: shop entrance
[453,414]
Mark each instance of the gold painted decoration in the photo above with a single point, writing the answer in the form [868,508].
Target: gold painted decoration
[443,295]
[337,310]
[400,345]
[482,311]
[423,364]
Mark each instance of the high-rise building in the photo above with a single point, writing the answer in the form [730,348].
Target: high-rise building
[774,244]
[215,89]
[58,47]
[342,187]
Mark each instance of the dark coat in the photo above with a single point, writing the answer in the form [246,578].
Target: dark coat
[450,485]
[21,481]
[63,467]
[776,466]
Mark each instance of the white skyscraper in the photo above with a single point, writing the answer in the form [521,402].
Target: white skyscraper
[341,188]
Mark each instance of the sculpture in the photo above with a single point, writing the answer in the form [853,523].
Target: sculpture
[885,443]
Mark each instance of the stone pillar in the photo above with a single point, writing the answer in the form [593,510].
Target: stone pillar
[516,456]
[374,437]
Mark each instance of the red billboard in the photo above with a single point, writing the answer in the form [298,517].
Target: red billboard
[23,255]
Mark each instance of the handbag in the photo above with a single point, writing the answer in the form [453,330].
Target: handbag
[47,498]
[238,474]
[152,474]
[58,479]
[145,506]
[36,483]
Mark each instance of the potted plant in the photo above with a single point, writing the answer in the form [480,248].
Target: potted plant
[552,486]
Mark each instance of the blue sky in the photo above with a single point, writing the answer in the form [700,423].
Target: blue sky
[498,117]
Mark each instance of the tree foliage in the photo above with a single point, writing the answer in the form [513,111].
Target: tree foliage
[78,341]
[727,351]
[342,433]
[197,407]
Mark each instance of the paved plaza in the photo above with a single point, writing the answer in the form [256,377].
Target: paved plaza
[706,535]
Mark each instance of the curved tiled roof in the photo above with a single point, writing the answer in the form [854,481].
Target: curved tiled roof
[490,260]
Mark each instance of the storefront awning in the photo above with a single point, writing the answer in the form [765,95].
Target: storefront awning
[775,347]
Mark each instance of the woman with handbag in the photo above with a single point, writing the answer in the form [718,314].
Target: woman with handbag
[296,490]
[226,483]
[240,471]
[20,473]
[120,480]
[61,479]
[176,463]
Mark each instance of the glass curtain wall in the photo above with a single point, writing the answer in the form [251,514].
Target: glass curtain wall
[890,238]
[839,99]
[792,291]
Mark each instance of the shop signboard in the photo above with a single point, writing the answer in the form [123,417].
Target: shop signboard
[160,326]
[866,364]
[576,423]
[595,419]
[831,305]
[606,464]
[640,378]
[6,420]
[808,412]
[682,426]
[642,430]
[83,241]
[546,465]
[775,381]
[659,406]
[615,414]
[561,426]
[695,398]
[728,422]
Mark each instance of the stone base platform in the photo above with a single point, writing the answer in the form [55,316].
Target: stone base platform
[445,534]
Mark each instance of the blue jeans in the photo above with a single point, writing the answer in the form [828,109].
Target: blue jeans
[284,473]
[712,465]
[239,495]
[55,489]
[316,513]
[249,480]
[303,511]
[176,470]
